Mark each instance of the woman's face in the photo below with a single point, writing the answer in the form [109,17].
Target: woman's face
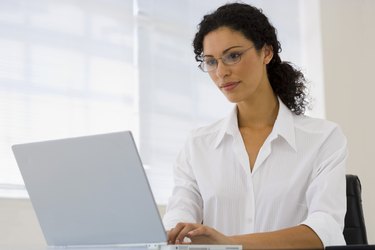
[244,80]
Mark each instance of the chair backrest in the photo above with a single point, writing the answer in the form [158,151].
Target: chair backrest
[355,229]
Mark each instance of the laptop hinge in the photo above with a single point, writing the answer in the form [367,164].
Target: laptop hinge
[148,246]
[156,246]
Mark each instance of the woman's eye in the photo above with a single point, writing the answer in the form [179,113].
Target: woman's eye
[233,56]
[210,62]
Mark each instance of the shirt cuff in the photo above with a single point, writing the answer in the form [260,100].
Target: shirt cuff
[327,229]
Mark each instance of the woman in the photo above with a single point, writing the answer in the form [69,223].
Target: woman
[266,176]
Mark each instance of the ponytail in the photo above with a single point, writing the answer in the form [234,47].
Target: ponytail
[289,84]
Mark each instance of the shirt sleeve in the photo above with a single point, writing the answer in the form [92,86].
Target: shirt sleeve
[326,194]
[185,204]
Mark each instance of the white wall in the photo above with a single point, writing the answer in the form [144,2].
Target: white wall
[349,63]
[18,224]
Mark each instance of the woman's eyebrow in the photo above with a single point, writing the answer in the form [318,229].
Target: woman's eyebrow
[226,50]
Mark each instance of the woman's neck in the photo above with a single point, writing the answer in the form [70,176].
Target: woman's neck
[259,112]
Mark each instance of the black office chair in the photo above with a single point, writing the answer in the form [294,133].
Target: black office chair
[355,229]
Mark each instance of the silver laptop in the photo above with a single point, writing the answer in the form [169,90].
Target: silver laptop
[93,191]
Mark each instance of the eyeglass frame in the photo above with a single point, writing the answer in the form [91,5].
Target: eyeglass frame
[223,59]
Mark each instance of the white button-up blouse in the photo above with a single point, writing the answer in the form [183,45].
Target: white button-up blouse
[298,178]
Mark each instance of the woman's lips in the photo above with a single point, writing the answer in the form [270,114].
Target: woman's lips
[229,86]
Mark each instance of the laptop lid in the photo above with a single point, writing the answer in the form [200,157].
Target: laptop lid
[90,190]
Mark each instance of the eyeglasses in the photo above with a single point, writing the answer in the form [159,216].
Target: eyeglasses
[209,63]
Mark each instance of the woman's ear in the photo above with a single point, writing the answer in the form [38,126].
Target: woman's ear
[268,53]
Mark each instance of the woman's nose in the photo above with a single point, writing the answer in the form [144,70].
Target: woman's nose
[222,70]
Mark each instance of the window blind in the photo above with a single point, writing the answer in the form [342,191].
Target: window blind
[71,68]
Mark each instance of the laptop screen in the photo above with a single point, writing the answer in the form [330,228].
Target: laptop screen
[90,190]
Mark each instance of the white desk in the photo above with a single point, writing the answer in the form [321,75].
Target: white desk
[71,248]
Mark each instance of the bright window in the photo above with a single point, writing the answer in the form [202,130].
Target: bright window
[71,68]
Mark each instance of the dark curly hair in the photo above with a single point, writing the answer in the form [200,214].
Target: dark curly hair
[286,81]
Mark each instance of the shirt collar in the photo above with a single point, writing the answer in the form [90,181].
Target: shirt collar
[230,125]
[284,125]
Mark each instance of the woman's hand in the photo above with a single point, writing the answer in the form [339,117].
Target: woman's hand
[198,234]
